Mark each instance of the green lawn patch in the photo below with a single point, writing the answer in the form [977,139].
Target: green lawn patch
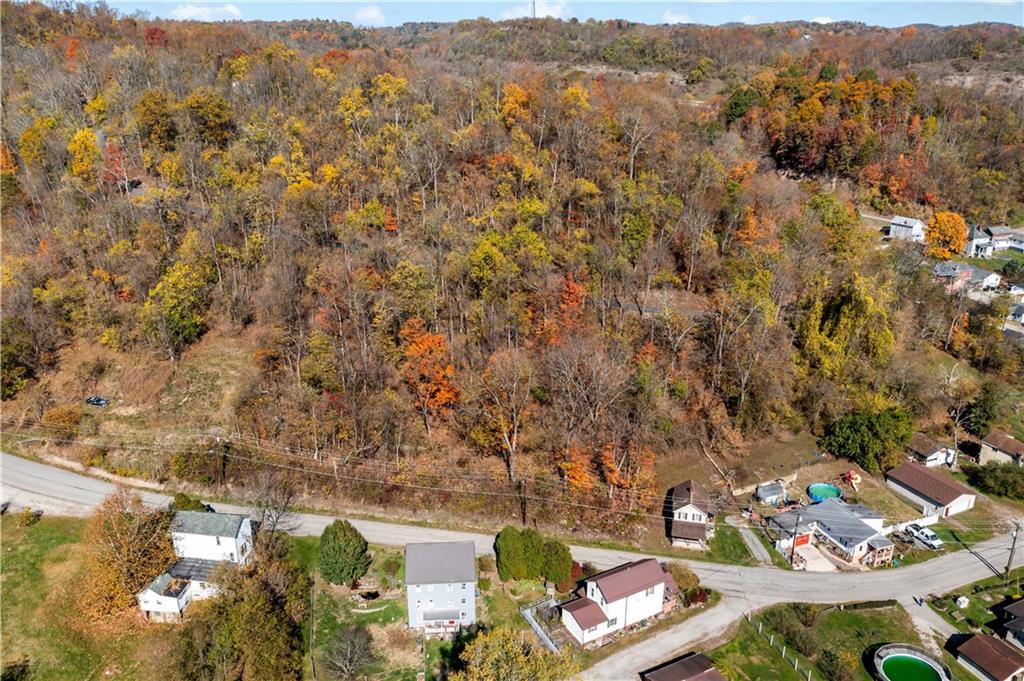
[982,596]
[748,657]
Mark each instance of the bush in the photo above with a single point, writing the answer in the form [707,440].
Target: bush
[62,421]
[806,641]
[837,667]
[1002,479]
[557,561]
[485,563]
[27,517]
[484,583]
[684,577]
[807,613]
[344,557]
[873,439]
[525,554]
[511,561]
[698,596]
[391,565]
[533,553]
[184,502]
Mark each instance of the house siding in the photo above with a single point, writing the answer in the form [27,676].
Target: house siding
[237,549]
[445,596]
[962,503]
[621,613]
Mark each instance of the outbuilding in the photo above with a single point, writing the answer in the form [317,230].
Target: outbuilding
[991,659]
[934,493]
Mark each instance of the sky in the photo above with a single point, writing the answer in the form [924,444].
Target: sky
[373,13]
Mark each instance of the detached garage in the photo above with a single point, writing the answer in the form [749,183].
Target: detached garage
[933,492]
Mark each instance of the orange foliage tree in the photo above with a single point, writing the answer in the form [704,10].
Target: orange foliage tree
[128,545]
[946,235]
[427,371]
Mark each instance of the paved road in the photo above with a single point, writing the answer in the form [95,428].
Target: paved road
[744,589]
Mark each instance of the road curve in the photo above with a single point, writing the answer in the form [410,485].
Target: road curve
[29,483]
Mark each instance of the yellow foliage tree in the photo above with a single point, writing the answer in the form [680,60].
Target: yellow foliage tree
[85,155]
[128,545]
[946,235]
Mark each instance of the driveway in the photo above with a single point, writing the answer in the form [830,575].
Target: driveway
[744,589]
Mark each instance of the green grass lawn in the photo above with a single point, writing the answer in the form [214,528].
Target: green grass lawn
[982,597]
[727,546]
[847,632]
[748,657]
[40,567]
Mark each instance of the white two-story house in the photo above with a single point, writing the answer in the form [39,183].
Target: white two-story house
[692,516]
[906,229]
[203,542]
[440,586]
[618,598]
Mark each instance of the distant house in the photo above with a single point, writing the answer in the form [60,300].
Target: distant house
[979,243]
[953,275]
[692,516]
[440,586]
[850,531]
[930,452]
[1017,293]
[991,658]
[203,542]
[984,280]
[932,491]
[906,229]
[773,493]
[618,598]
[1002,448]
[690,667]
[1013,623]
[1016,313]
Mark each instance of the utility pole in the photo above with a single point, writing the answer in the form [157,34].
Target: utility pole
[534,9]
[796,532]
[1013,549]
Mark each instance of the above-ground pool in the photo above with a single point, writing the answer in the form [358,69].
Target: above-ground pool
[899,662]
[820,491]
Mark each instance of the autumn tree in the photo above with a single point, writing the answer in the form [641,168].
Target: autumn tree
[173,314]
[946,235]
[511,655]
[506,383]
[128,545]
[427,371]
[85,156]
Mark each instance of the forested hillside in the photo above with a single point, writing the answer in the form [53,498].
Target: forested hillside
[554,263]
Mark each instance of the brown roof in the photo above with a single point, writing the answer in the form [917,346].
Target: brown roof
[690,492]
[586,612]
[629,579]
[991,655]
[927,483]
[687,530]
[1004,442]
[1016,608]
[689,667]
[923,445]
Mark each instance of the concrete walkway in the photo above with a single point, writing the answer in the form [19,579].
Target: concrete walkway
[929,624]
[757,549]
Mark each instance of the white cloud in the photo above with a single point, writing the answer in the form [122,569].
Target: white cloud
[370,16]
[748,19]
[823,20]
[671,16]
[192,12]
[545,8]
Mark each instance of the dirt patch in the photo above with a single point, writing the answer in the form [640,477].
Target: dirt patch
[399,642]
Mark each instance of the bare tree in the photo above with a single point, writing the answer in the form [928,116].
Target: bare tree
[587,382]
[349,653]
[506,384]
[272,496]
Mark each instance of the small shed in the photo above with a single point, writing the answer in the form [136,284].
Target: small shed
[773,493]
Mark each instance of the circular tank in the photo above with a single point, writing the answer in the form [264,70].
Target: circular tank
[902,662]
[820,491]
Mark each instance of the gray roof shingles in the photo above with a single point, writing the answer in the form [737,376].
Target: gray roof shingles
[210,524]
[446,562]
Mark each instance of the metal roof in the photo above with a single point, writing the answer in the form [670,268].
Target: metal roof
[194,568]
[690,492]
[626,580]
[210,524]
[586,612]
[443,562]
[440,615]
[841,521]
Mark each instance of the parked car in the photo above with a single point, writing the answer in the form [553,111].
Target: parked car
[97,401]
[926,536]
[902,537]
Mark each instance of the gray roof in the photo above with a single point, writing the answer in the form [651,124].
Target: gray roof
[770,490]
[950,269]
[443,562]
[979,275]
[905,221]
[440,615]
[194,568]
[841,521]
[212,524]
[166,585]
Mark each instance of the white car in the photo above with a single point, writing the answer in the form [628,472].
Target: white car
[926,536]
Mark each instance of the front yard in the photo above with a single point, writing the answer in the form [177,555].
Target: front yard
[982,597]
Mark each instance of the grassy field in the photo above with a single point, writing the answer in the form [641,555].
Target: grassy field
[40,567]
[983,596]
[726,547]
[748,657]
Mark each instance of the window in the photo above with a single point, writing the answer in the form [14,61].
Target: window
[419,588]
[218,540]
[649,592]
[419,603]
[463,586]
[592,629]
[612,621]
[463,615]
[450,587]
[430,587]
[463,601]
[232,554]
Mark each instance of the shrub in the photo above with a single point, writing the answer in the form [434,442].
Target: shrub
[557,561]
[698,596]
[1003,479]
[28,517]
[485,563]
[533,553]
[807,613]
[836,667]
[184,502]
[511,561]
[684,577]
[391,565]
[93,456]
[484,583]
[873,439]
[344,557]
[806,641]
[63,420]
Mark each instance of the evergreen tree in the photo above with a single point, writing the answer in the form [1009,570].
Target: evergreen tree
[343,553]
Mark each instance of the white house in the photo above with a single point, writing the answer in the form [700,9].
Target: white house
[984,280]
[203,542]
[692,516]
[440,586]
[979,243]
[618,598]
[934,493]
[850,531]
[984,242]
[906,229]
[1017,293]
[930,452]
